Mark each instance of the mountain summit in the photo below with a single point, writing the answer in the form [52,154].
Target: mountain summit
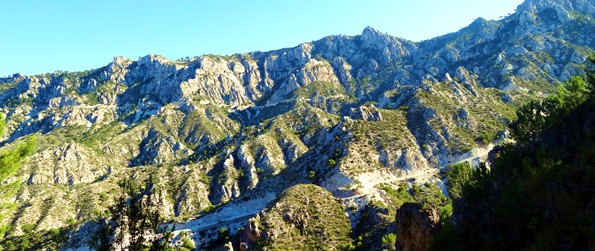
[569,6]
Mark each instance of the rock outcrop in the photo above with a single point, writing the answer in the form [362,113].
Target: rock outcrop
[415,227]
[366,113]
[70,164]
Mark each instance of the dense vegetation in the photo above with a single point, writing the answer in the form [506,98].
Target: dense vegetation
[538,194]
[10,161]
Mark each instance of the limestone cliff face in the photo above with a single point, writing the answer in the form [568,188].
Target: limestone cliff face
[537,43]
[69,164]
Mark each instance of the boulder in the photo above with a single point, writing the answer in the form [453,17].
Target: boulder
[416,227]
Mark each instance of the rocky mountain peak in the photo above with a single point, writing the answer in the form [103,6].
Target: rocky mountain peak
[562,7]
[373,38]
[119,62]
[18,75]
[539,16]
[370,30]
[479,22]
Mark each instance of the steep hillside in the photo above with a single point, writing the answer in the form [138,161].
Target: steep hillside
[304,217]
[538,194]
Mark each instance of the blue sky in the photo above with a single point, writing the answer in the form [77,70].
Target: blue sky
[44,36]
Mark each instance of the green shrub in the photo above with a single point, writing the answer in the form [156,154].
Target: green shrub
[10,161]
[2,124]
[223,231]
[446,238]
[71,222]
[458,175]
[430,196]
[398,196]
[4,229]
[55,232]
[188,243]
[28,228]
[332,162]
[389,241]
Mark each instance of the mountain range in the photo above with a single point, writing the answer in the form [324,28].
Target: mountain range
[313,144]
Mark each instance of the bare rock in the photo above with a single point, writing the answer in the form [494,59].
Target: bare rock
[252,231]
[68,164]
[368,113]
[227,247]
[415,227]
[243,246]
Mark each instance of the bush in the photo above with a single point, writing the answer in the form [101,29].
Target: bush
[55,232]
[71,222]
[223,231]
[332,162]
[28,228]
[429,196]
[188,243]
[3,230]
[399,196]
[389,241]
[446,239]
[458,176]
[2,124]
[10,161]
